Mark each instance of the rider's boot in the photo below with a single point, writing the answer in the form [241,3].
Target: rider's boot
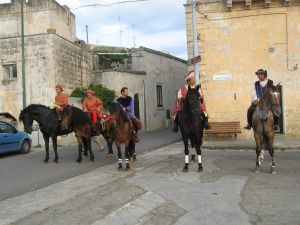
[175,125]
[206,124]
[135,137]
[248,127]
[276,128]
[94,130]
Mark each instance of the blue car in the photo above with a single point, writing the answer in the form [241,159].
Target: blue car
[13,140]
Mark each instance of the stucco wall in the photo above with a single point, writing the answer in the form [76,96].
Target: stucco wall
[170,74]
[240,42]
[115,80]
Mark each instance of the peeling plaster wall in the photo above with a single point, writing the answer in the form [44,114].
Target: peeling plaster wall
[240,42]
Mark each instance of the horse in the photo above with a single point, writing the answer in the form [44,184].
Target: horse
[78,120]
[263,124]
[48,123]
[191,125]
[123,134]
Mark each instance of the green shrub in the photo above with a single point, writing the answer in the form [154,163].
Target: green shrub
[105,94]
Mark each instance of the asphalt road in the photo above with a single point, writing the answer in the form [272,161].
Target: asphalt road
[24,173]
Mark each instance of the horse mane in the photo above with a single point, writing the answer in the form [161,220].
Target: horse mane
[119,109]
[31,109]
[187,99]
[79,116]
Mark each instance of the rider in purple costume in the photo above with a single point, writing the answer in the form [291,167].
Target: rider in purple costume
[127,104]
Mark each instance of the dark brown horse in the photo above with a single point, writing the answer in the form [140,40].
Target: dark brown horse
[76,119]
[123,133]
[263,124]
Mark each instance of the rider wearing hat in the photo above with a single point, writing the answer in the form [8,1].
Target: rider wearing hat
[61,99]
[257,92]
[92,105]
[191,81]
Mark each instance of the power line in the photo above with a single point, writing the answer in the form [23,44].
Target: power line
[110,4]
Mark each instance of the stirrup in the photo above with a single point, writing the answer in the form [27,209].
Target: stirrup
[248,127]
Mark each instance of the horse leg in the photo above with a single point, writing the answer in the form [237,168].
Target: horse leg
[127,155]
[119,156]
[193,158]
[46,139]
[186,152]
[198,150]
[133,151]
[271,152]
[85,147]
[54,141]
[89,146]
[79,140]
[259,143]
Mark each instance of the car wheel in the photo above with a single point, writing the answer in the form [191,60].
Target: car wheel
[25,148]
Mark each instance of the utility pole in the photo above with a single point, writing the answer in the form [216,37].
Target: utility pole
[195,40]
[87,33]
[23,54]
[120,31]
[134,38]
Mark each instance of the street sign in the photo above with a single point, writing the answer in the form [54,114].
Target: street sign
[194,60]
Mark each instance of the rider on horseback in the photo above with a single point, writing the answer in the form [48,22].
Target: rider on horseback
[257,93]
[127,104]
[190,79]
[61,100]
[93,106]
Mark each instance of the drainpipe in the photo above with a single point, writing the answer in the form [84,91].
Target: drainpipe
[145,105]
[23,54]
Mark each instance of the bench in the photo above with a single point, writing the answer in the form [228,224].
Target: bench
[223,128]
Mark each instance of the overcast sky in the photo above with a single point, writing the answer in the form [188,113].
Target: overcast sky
[157,24]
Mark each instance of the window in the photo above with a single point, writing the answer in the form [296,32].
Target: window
[10,71]
[159,95]
[5,128]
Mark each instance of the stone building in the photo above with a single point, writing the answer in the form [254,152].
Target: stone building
[52,53]
[235,39]
[153,79]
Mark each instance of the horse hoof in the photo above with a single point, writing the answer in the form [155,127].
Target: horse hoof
[110,156]
[128,168]
[273,171]
[200,169]
[79,160]
[45,160]
[92,160]
[55,161]
[120,168]
[185,169]
[256,170]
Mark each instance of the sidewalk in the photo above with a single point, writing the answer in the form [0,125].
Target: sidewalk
[281,142]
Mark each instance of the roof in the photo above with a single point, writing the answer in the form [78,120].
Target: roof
[159,53]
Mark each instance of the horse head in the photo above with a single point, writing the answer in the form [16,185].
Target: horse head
[27,120]
[192,98]
[66,117]
[272,99]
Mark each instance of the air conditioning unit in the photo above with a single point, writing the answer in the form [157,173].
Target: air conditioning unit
[286,2]
[248,4]
[229,5]
[267,3]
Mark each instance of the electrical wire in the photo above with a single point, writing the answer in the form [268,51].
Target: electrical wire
[110,4]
